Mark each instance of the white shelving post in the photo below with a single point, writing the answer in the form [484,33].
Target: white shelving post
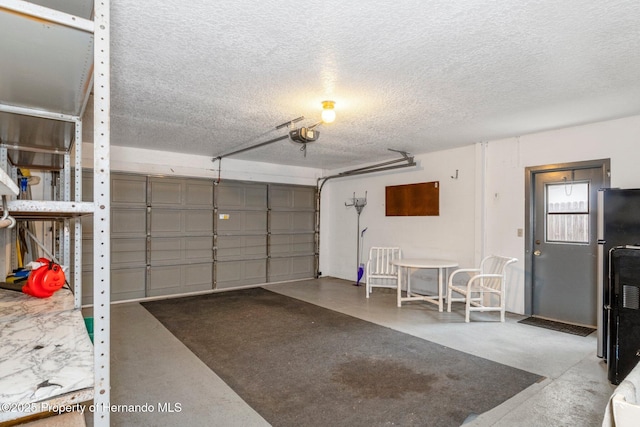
[77,196]
[101,217]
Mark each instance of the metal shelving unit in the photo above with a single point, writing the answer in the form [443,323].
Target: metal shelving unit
[53,59]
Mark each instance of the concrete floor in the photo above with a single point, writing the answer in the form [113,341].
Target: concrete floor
[149,366]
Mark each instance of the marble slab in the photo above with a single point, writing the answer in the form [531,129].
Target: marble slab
[45,354]
[14,303]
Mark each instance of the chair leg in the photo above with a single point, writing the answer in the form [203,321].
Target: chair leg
[467,306]
[448,299]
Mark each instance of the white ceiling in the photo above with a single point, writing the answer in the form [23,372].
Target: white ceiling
[207,77]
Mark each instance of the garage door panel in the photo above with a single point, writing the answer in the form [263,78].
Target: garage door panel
[292,244]
[241,196]
[166,221]
[166,191]
[241,222]
[280,197]
[230,196]
[302,266]
[179,221]
[124,252]
[235,247]
[280,222]
[164,280]
[199,248]
[128,190]
[127,252]
[240,273]
[304,198]
[279,269]
[184,227]
[199,193]
[127,283]
[87,184]
[303,221]
[280,245]
[166,249]
[291,268]
[255,197]
[178,279]
[87,254]
[198,277]
[181,192]
[87,226]
[198,221]
[125,222]
[290,218]
[287,197]
[182,214]
[303,244]
[292,222]
[181,249]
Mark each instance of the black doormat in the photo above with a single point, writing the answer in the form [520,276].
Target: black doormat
[298,364]
[583,331]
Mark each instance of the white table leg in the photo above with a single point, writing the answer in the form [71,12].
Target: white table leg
[440,290]
[400,286]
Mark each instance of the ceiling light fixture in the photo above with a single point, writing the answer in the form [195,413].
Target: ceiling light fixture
[328,113]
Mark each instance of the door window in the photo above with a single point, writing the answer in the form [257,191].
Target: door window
[567,212]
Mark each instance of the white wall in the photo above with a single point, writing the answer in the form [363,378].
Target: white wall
[481,212]
[136,160]
[506,160]
[451,235]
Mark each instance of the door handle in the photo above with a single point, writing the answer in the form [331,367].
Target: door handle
[537,252]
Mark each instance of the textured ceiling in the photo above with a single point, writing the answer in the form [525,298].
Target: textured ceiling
[208,77]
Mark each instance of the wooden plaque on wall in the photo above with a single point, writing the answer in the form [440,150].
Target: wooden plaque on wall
[421,199]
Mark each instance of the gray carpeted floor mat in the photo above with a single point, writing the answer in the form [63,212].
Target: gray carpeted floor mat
[298,364]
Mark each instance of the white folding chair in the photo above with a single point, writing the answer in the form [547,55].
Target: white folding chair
[380,272]
[484,286]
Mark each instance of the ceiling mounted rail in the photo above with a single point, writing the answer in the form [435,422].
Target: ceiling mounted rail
[404,162]
[301,136]
[242,150]
[290,123]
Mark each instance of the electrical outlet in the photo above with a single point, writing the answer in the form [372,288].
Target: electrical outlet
[520,232]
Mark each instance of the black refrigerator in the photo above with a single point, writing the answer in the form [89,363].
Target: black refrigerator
[624,312]
[618,226]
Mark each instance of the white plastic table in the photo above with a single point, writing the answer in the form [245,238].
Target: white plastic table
[404,265]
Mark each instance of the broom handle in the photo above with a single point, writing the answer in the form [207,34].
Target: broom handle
[358,248]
